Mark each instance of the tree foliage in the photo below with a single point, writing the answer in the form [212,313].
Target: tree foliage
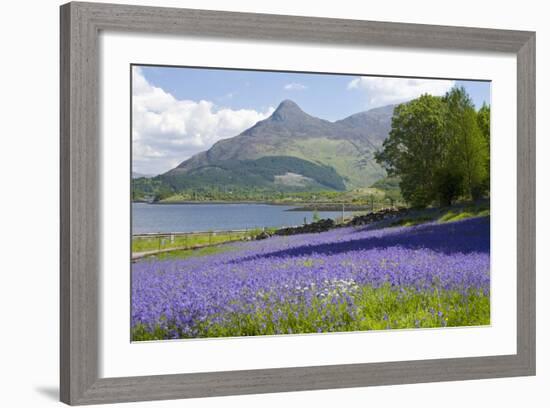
[438,147]
[467,146]
[484,123]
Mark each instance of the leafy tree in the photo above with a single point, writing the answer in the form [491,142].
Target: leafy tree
[439,149]
[449,185]
[162,193]
[467,147]
[484,123]
[415,148]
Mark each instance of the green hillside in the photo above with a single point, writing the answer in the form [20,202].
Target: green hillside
[283,173]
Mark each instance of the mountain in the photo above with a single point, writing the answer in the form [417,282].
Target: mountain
[292,150]
[136,175]
[377,122]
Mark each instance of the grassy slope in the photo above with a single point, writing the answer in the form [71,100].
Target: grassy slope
[349,161]
[143,244]
[443,215]
[190,253]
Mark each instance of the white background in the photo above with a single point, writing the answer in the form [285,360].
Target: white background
[120,358]
[29,296]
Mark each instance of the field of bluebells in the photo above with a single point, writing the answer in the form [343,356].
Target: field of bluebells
[346,279]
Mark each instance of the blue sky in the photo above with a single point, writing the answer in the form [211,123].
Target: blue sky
[325,95]
[179,112]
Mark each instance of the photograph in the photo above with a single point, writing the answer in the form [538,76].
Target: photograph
[268,204]
[289,203]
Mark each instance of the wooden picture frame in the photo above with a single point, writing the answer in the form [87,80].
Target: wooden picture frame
[81,24]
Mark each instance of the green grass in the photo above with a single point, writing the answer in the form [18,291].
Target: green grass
[462,214]
[443,215]
[409,222]
[362,308]
[189,253]
[143,244]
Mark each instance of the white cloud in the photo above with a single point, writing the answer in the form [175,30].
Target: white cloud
[294,86]
[166,130]
[384,91]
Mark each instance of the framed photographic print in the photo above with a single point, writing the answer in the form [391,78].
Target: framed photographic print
[259,203]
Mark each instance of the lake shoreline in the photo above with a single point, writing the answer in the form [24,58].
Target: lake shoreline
[206,216]
[300,206]
[331,207]
[209,202]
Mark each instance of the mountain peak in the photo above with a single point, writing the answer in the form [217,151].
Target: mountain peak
[288,104]
[287,135]
[286,110]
